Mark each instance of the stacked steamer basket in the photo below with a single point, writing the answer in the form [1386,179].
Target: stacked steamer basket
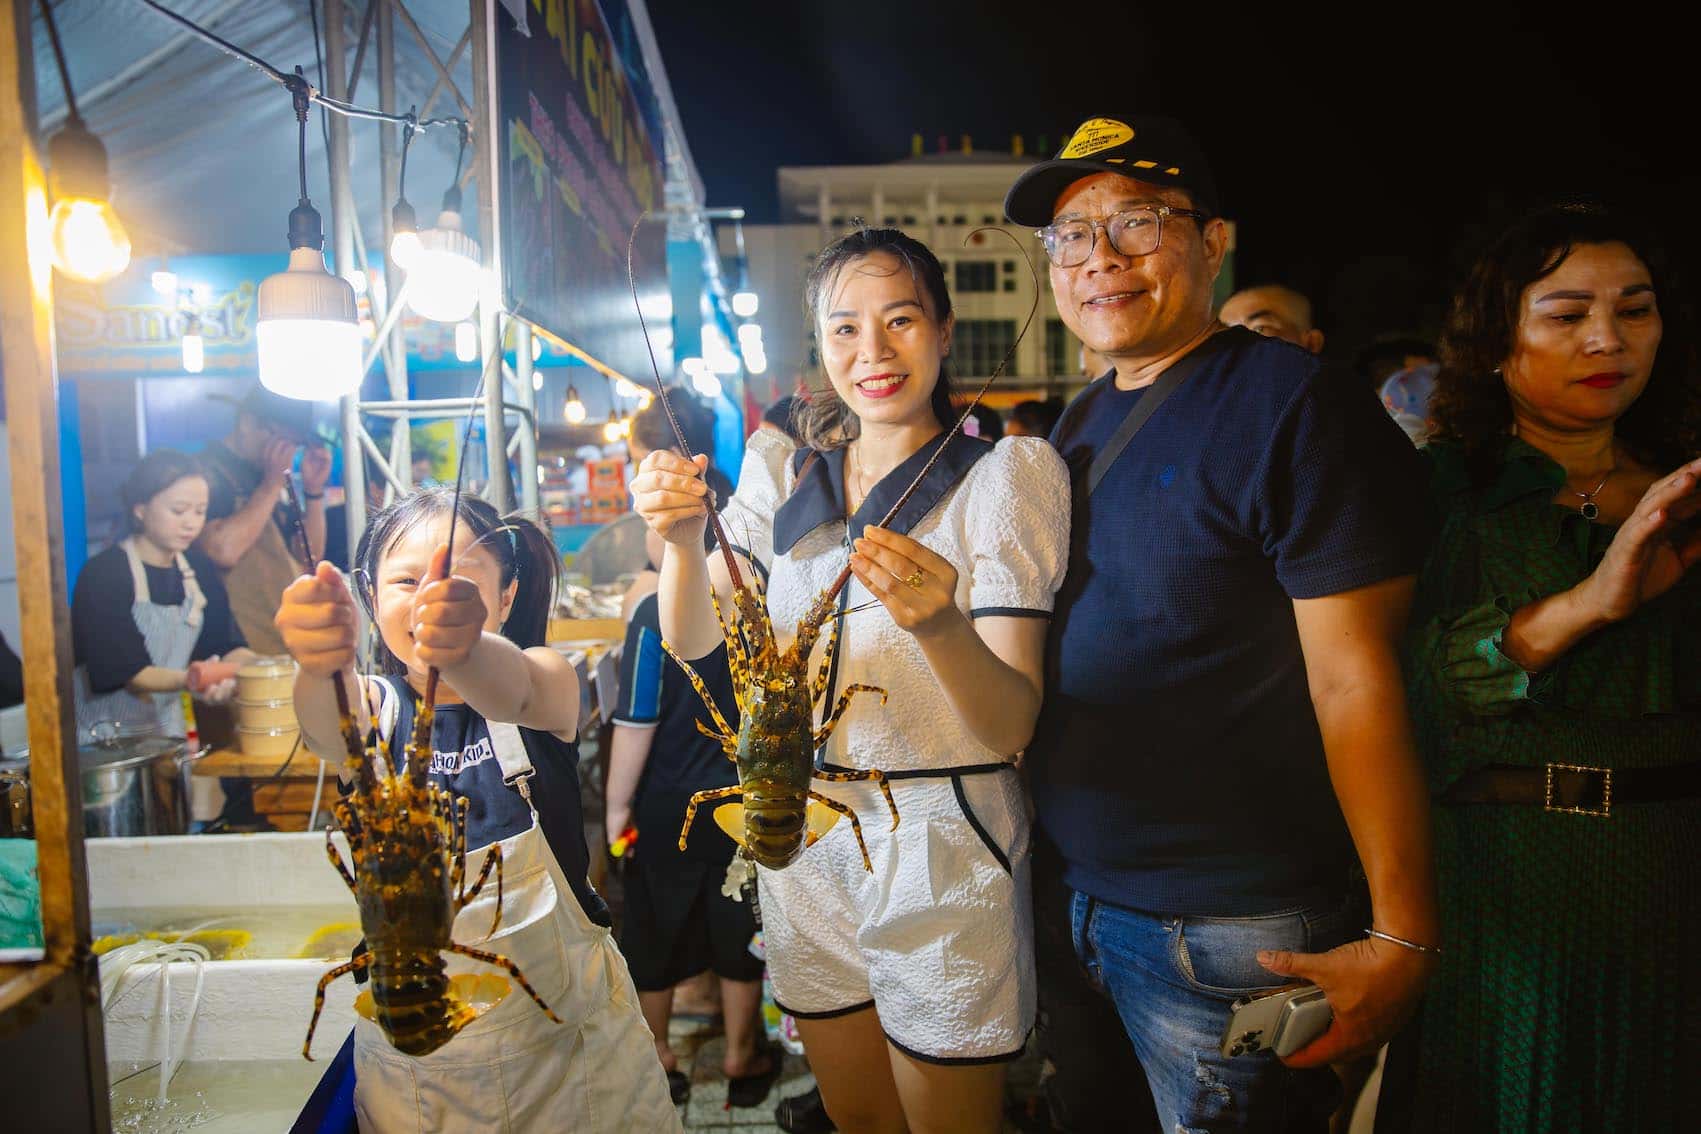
[265,707]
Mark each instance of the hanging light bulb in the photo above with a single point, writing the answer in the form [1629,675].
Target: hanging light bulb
[537,347]
[404,238]
[537,379]
[89,241]
[645,398]
[466,342]
[308,331]
[749,335]
[611,431]
[625,388]
[574,410]
[194,347]
[444,279]
[744,304]
[164,281]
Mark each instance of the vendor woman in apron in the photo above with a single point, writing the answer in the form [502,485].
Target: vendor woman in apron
[505,740]
[149,616]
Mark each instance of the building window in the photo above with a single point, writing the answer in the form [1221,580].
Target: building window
[909,222]
[988,218]
[1062,351]
[959,219]
[1009,265]
[979,345]
[977,275]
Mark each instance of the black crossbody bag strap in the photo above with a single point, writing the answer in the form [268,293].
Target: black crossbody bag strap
[1148,405]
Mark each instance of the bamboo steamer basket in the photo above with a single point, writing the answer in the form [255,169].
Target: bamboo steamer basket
[266,680]
[277,743]
[266,714]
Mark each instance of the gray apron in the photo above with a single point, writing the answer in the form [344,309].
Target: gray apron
[170,634]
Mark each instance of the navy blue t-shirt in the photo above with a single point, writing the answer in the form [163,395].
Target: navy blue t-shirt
[1177,763]
[464,762]
[655,693]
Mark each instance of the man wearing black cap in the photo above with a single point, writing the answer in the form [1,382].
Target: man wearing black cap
[1225,723]
[251,525]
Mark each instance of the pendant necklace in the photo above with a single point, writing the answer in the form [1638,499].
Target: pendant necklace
[1590,509]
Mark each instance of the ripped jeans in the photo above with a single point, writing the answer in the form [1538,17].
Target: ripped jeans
[1172,980]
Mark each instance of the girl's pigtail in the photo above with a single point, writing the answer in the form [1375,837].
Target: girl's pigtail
[539,568]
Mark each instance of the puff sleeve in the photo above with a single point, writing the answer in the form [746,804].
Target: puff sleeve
[748,517]
[1018,530]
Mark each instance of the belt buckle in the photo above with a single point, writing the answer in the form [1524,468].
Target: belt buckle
[1601,812]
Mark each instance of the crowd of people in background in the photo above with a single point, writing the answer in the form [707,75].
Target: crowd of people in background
[1221,678]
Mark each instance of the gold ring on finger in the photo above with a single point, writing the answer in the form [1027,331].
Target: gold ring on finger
[914,579]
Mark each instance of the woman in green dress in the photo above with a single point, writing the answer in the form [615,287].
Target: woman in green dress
[1554,664]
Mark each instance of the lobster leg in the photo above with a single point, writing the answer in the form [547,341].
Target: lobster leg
[458,846]
[874,774]
[703,692]
[729,744]
[502,962]
[359,962]
[827,725]
[737,657]
[493,858]
[703,797]
[856,827]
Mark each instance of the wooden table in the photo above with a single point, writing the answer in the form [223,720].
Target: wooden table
[284,800]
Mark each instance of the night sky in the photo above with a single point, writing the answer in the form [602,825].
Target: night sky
[1362,155]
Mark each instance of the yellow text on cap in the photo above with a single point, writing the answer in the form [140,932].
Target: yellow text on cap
[1096,134]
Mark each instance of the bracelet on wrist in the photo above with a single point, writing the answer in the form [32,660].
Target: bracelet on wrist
[1432,950]
[313,496]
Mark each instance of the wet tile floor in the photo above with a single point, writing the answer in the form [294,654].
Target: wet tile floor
[698,1043]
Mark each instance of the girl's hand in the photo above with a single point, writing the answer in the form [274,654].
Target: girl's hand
[448,615]
[1646,558]
[671,495]
[917,587]
[317,619]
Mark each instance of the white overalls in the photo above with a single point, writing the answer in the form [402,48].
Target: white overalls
[513,1069]
[170,634]
[938,938]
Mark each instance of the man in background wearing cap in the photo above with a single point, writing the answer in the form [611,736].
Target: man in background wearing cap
[1274,310]
[1223,687]
[251,525]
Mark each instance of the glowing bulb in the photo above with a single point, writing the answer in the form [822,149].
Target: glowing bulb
[404,249]
[625,388]
[611,432]
[756,362]
[89,241]
[537,348]
[466,342]
[692,365]
[164,282]
[625,427]
[706,383]
[194,353]
[645,398]
[444,278]
[749,335]
[308,337]
[537,379]
[744,304]
[574,410]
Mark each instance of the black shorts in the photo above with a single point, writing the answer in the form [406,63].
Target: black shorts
[678,924]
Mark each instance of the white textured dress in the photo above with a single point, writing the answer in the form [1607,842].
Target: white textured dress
[938,938]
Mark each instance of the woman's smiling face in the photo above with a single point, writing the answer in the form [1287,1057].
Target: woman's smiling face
[881,343]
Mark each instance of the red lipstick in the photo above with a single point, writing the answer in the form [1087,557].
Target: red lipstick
[1604,380]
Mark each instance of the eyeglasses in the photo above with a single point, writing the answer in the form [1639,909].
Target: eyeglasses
[1132,232]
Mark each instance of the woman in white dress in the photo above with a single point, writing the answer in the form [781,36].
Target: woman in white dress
[912,983]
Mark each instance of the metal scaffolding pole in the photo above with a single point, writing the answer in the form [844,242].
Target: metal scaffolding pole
[343,222]
[390,179]
[526,395]
[489,323]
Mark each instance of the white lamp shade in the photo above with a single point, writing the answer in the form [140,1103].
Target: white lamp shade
[444,278]
[308,331]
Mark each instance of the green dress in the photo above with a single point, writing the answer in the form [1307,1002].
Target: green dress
[1568,996]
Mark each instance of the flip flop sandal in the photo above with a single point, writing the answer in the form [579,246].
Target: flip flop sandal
[751,1090]
[803,1114]
[678,1087]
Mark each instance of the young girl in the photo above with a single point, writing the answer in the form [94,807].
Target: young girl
[913,983]
[150,617]
[505,739]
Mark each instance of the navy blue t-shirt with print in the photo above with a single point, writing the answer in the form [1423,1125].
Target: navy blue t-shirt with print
[1177,763]
[656,694]
[464,762]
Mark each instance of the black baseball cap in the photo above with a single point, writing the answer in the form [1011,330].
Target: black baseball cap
[293,417]
[1146,147]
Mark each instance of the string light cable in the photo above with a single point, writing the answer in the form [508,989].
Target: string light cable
[89,241]
[285,79]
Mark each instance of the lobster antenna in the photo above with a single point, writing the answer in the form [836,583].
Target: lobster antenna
[428,701]
[667,406]
[891,514]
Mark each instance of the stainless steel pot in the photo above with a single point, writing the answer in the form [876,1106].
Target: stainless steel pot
[136,786]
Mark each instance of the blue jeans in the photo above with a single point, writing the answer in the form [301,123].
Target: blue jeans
[1173,980]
